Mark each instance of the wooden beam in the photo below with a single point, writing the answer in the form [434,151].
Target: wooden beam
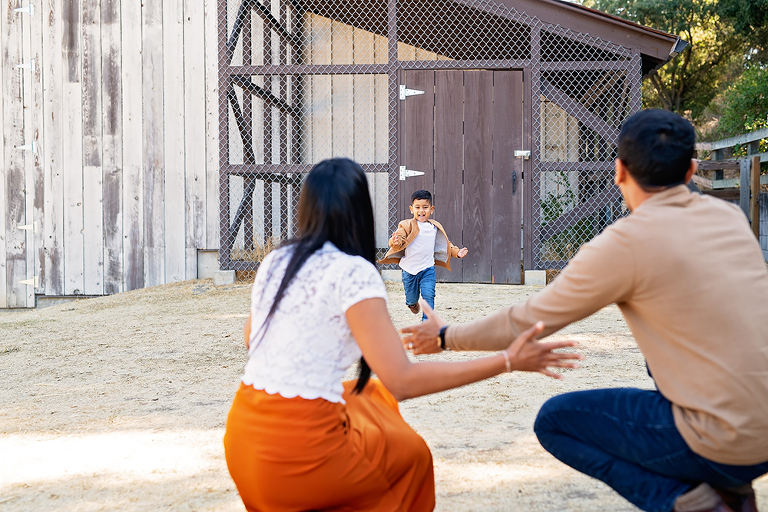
[572,217]
[718,165]
[732,141]
[744,185]
[269,98]
[754,200]
[266,14]
[580,112]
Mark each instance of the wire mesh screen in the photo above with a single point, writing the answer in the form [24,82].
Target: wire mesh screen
[305,80]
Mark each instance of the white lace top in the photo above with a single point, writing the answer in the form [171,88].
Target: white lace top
[308,347]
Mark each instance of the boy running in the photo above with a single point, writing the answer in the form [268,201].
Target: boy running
[417,247]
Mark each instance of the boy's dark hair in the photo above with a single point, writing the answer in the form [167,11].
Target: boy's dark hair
[421,194]
[656,146]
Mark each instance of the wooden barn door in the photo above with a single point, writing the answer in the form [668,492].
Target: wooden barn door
[462,133]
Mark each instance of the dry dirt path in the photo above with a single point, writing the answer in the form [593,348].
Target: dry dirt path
[120,403]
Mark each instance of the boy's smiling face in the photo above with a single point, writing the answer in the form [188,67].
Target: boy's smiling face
[421,209]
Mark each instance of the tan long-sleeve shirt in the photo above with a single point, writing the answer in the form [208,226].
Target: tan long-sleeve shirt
[691,282]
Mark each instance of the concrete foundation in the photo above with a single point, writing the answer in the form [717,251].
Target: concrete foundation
[535,278]
[222,277]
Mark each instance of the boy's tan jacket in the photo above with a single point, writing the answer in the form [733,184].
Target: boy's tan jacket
[408,230]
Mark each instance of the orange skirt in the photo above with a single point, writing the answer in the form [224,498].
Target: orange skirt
[292,454]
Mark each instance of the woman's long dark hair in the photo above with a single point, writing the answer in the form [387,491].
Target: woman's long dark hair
[335,207]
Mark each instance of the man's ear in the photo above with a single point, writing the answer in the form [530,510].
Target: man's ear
[621,173]
[691,170]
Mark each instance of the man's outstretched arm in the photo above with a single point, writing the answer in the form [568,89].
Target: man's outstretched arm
[602,273]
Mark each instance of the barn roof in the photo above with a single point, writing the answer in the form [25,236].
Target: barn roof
[654,46]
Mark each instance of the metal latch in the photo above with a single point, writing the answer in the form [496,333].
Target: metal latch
[407,173]
[29,227]
[522,153]
[404,93]
[29,9]
[27,147]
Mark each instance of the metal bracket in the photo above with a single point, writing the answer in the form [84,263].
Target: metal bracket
[29,65]
[404,93]
[524,154]
[35,281]
[29,227]
[29,9]
[407,173]
[27,147]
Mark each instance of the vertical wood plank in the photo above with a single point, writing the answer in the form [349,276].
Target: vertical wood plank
[72,110]
[174,203]
[478,165]
[4,72]
[507,185]
[52,278]
[381,102]
[194,133]
[30,81]
[38,216]
[320,101]
[363,87]
[417,137]
[112,145]
[211,126]
[449,149]
[152,157]
[527,172]
[93,233]
[754,201]
[133,146]
[343,92]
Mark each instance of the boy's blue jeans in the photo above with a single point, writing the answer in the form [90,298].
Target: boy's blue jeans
[424,283]
[627,438]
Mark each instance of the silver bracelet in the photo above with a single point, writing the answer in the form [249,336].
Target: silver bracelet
[506,360]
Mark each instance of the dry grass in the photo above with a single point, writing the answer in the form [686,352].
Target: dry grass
[120,403]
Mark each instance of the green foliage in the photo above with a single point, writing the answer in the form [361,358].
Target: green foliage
[746,104]
[715,51]
[555,204]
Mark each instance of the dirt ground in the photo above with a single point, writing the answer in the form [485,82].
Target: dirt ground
[120,403]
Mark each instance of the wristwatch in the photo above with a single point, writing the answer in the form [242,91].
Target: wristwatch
[442,337]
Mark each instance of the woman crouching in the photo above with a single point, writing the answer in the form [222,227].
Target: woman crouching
[298,437]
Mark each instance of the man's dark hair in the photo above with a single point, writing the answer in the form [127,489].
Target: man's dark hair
[656,146]
[421,194]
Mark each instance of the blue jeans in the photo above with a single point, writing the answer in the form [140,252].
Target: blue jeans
[627,438]
[424,283]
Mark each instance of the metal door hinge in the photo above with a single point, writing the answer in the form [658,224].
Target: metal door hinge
[28,9]
[524,154]
[35,281]
[404,93]
[29,65]
[407,173]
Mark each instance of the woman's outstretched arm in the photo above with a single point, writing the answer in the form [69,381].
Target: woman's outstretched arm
[373,330]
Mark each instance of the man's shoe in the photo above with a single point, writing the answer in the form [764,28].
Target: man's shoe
[415,308]
[702,498]
[741,499]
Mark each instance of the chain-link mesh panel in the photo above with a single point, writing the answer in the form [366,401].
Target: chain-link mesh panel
[305,80]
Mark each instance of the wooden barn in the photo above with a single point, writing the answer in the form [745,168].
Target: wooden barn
[139,138]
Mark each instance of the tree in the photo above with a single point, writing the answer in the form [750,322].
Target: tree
[714,54]
[749,19]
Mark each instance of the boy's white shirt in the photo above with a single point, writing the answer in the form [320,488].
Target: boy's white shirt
[420,254]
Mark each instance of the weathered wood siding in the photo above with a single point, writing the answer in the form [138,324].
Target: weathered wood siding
[121,188]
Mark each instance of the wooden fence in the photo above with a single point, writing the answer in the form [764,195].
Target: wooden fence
[110,145]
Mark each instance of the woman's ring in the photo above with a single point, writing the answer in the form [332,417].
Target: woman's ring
[410,346]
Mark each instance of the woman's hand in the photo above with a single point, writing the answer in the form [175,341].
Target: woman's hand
[424,337]
[528,355]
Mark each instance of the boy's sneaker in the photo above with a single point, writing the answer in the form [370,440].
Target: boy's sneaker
[415,308]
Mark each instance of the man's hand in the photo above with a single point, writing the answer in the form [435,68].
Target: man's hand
[463,252]
[424,337]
